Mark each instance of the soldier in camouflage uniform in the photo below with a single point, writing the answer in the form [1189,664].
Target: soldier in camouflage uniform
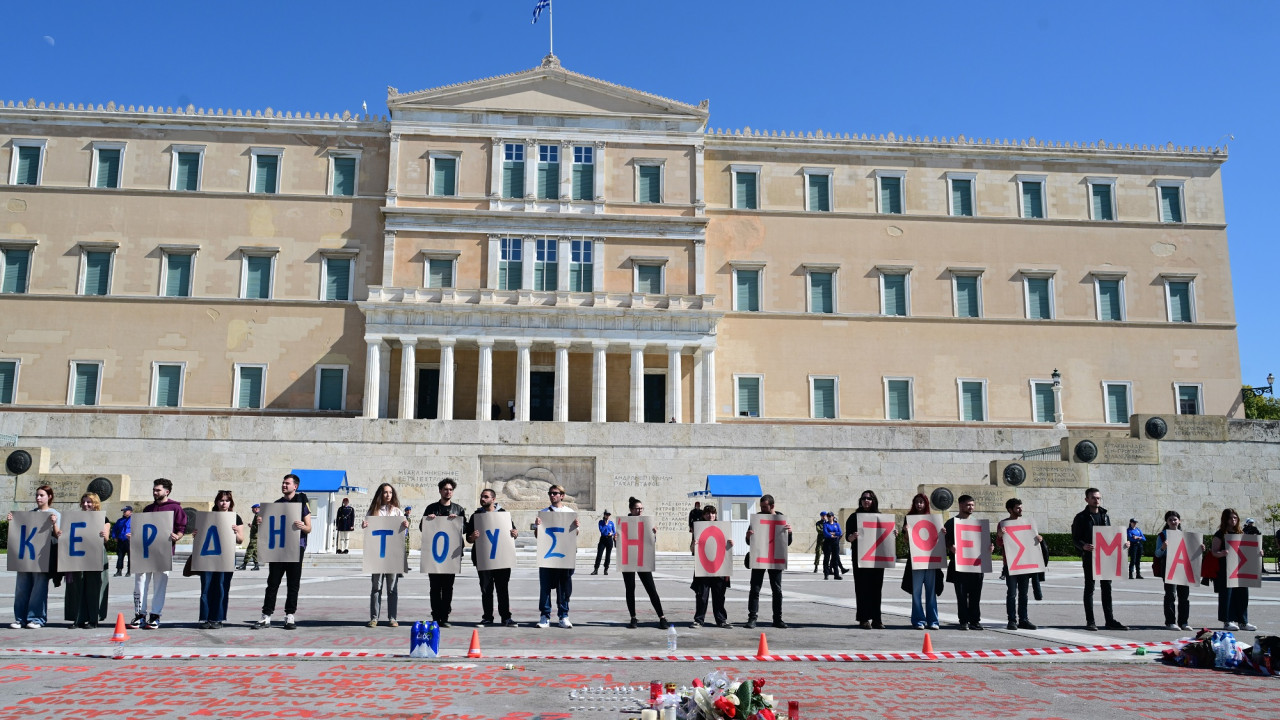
[251,550]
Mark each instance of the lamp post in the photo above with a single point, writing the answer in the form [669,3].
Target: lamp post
[1058,424]
[1260,391]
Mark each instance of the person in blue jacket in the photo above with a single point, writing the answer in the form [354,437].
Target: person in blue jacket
[120,533]
[1136,538]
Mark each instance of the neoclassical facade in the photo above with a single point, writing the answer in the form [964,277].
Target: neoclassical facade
[547,246]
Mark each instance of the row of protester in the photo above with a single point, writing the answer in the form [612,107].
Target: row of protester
[45,544]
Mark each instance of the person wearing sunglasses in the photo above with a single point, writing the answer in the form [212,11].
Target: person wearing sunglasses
[559,578]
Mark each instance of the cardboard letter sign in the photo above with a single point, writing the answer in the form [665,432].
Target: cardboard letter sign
[1109,556]
[383,545]
[768,542]
[557,544]
[30,538]
[278,539]
[495,548]
[876,540]
[214,546]
[711,548]
[81,547]
[973,545]
[1021,553]
[150,549]
[442,545]
[925,541]
[1244,560]
[635,543]
[1184,552]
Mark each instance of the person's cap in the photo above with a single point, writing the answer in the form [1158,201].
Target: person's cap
[606,512]
[257,505]
[126,508]
[1248,521]
[1133,519]
[407,508]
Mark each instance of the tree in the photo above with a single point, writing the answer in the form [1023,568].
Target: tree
[1260,407]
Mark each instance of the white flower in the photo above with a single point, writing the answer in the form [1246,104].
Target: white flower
[733,687]
[767,700]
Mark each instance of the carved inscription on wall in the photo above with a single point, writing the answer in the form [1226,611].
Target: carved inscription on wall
[642,481]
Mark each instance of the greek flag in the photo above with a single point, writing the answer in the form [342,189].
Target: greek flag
[538,8]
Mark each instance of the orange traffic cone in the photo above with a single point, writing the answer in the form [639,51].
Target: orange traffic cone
[474,650]
[121,634]
[928,645]
[762,650]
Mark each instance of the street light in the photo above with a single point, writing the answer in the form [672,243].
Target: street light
[1260,391]
[1058,424]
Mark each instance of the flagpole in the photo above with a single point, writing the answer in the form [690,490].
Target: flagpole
[551,28]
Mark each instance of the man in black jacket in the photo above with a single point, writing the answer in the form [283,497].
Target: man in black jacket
[1094,515]
[345,522]
[775,576]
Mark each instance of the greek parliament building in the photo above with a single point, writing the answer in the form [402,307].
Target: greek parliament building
[548,246]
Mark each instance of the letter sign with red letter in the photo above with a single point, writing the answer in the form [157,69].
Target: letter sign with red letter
[876,540]
[1184,552]
[711,548]
[768,542]
[973,545]
[1108,553]
[635,543]
[924,539]
[1021,553]
[1244,560]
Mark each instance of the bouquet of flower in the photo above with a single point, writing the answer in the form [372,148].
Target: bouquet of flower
[715,697]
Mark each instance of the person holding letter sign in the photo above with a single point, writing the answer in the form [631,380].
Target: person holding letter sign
[868,582]
[215,587]
[31,592]
[636,551]
[1180,621]
[1010,534]
[386,503]
[291,571]
[495,579]
[158,581]
[964,536]
[86,603]
[712,586]
[1233,602]
[559,578]
[1093,515]
[772,561]
[442,583]
[923,580]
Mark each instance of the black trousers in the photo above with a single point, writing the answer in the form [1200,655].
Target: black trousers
[711,588]
[122,554]
[775,589]
[868,585]
[968,597]
[604,547]
[1183,594]
[491,580]
[441,596]
[830,557]
[293,573]
[1087,562]
[646,579]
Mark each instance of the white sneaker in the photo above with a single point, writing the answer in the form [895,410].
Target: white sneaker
[265,622]
[544,622]
[1249,626]
[564,623]
[1231,626]
[15,626]
[1173,627]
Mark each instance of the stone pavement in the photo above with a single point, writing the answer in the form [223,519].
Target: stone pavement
[243,673]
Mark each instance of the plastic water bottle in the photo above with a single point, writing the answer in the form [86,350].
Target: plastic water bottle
[671,639]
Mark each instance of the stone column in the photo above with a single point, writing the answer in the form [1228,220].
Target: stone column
[389,259]
[495,168]
[637,382]
[597,172]
[446,379]
[393,169]
[530,173]
[709,385]
[697,386]
[522,379]
[484,381]
[491,266]
[384,379]
[598,372]
[528,256]
[700,266]
[372,374]
[408,374]
[564,253]
[561,412]
[675,394]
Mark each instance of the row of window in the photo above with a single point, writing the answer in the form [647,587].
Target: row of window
[746,186]
[177,268]
[168,381]
[186,167]
[971,396]
[546,177]
[966,292]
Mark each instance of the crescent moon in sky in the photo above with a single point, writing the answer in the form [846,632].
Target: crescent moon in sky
[49,39]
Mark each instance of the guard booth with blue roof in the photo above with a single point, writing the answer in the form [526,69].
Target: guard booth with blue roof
[321,487]
[735,496]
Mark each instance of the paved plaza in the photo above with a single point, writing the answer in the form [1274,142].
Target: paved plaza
[528,673]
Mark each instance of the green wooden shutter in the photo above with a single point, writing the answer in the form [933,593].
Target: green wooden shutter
[895,294]
[971,402]
[967,296]
[1109,306]
[822,292]
[446,175]
[1117,403]
[1170,204]
[97,272]
[548,180]
[824,397]
[1032,200]
[746,190]
[510,274]
[188,172]
[8,379]
[1039,306]
[650,180]
[344,176]
[749,397]
[250,388]
[265,174]
[584,179]
[649,279]
[539,275]
[258,277]
[580,277]
[1046,410]
[748,297]
[512,179]
[899,398]
[1180,302]
[108,168]
[16,265]
[337,279]
[177,280]
[440,273]
[86,390]
[330,389]
[168,385]
[28,165]
[891,195]
[962,197]
[819,193]
[1102,209]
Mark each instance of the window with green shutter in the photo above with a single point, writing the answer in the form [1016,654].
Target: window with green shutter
[824,398]
[1170,204]
[748,397]
[819,192]
[891,195]
[188,174]
[649,279]
[329,394]
[8,381]
[1103,202]
[85,391]
[584,179]
[548,172]
[513,170]
[581,273]
[17,264]
[97,272]
[510,263]
[745,190]
[1032,199]
[1045,407]
[177,275]
[1188,400]
[1180,301]
[266,170]
[444,180]
[1110,304]
[822,296]
[249,392]
[967,303]
[895,293]
[972,407]
[337,279]
[1039,298]
[108,171]
[1117,403]
[898,399]
[546,266]
[28,165]
[344,175]
[439,273]
[257,281]
[961,197]
[649,181]
[168,385]
[747,285]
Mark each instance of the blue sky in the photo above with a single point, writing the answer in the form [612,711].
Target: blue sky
[1137,71]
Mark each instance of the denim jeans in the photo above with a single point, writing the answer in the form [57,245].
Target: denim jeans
[1015,598]
[560,579]
[924,597]
[392,582]
[215,591]
[31,598]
